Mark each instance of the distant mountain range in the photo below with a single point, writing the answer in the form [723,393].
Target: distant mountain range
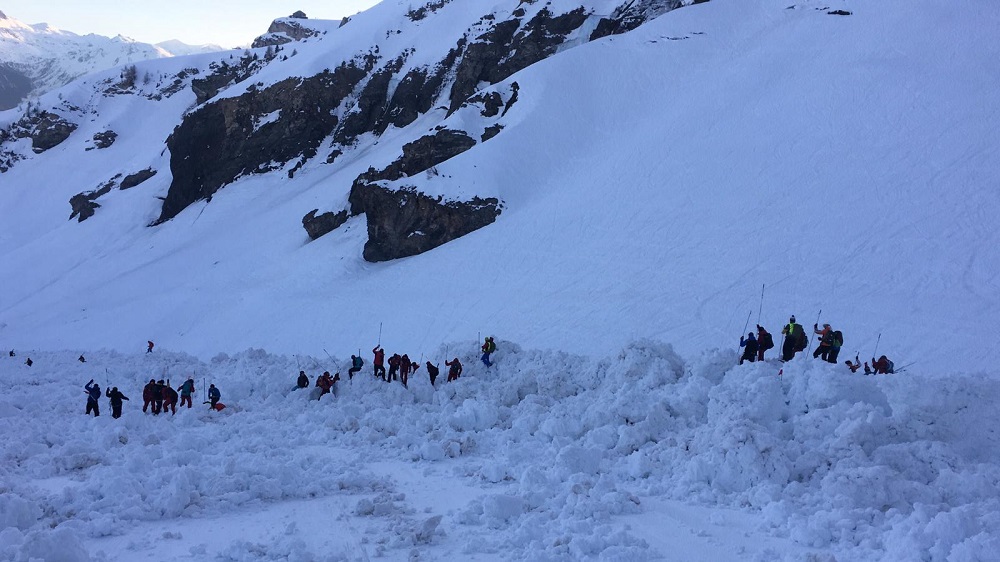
[38,58]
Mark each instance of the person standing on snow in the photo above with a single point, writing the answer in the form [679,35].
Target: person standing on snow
[764,342]
[324,383]
[836,342]
[794,336]
[158,397]
[93,391]
[750,346]
[187,390]
[81,359]
[28,362]
[488,348]
[379,363]
[394,367]
[116,401]
[825,341]
[432,371]
[149,346]
[404,369]
[303,380]
[147,395]
[455,369]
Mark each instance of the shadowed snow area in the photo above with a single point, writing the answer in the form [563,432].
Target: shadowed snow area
[545,456]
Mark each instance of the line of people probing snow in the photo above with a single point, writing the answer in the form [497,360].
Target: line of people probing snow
[160,397]
[794,340]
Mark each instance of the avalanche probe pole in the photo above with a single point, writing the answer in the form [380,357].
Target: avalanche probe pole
[876,345]
[814,326]
[761,309]
[747,323]
[380,333]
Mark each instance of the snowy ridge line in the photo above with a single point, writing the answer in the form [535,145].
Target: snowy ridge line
[561,448]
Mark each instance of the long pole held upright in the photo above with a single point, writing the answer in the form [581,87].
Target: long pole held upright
[746,324]
[876,345]
[761,309]
[814,324]
[380,333]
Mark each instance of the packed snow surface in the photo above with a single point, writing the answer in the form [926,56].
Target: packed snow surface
[544,456]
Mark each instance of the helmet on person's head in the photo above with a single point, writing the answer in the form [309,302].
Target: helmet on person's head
[792,319]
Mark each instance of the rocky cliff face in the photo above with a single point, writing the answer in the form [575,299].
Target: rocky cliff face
[272,125]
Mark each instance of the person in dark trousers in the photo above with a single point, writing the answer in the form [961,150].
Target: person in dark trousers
[12,353]
[404,369]
[432,372]
[488,348]
[379,363]
[93,391]
[750,346]
[169,399]
[764,342]
[213,396]
[303,380]
[825,341]
[187,391]
[795,339]
[455,369]
[394,367]
[149,346]
[356,364]
[29,362]
[116,401]
[836,342]
[158,397]
[81,359]
[147,395]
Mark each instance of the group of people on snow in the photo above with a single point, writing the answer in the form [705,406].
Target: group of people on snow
[795,340]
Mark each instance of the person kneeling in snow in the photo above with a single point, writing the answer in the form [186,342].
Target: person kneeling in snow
[214,396]
[883,366]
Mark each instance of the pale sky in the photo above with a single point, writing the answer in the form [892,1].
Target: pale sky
[224,22]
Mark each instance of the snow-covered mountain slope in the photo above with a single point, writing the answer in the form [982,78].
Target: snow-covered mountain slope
[48,58]
[181,49]
[648,184]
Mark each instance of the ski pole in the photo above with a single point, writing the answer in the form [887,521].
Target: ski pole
[876,345]
[761,309]
[814,328]
[379,333]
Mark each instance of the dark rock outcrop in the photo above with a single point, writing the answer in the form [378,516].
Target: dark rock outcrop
[135,179]
[50,130]
[632,14]
[318,225]
[418,156]
[85,204]
[510,47]
[404,223]
[284,30]
[104,139]
[226,139]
